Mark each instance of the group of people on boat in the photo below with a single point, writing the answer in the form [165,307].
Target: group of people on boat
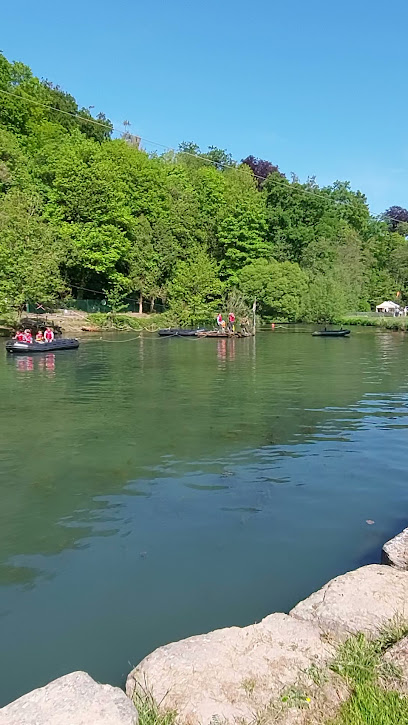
[229,325]
[223,324]
[27,336]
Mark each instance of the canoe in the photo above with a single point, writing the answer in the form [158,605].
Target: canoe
[179,332]
[331,333]
[60,343]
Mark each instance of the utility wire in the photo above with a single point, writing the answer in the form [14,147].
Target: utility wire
[99,292]
[111,128]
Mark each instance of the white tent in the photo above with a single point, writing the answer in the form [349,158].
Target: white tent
[388,306]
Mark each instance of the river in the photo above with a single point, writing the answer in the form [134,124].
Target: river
[155,488]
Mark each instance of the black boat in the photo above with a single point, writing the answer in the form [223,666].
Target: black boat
[60,343]
[331,333]
[179,332]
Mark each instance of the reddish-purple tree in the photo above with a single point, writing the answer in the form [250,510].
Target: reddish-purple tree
[261,169]
[395,215]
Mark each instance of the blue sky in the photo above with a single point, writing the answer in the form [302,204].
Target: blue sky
[316,87]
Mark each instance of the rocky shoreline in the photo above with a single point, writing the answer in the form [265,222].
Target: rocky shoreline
[238,674]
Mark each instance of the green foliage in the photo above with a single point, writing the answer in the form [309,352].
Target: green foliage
[371,705]
[278,287]
[373,700]
[126,322]
[371,320]
[183,228]
[195,289]
[29,253]
[149,712]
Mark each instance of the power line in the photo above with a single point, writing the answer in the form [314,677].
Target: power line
[104,294]
[111,128]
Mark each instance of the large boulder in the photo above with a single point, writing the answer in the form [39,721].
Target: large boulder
[363,600]
[75,699]
[238,673]
[395,551]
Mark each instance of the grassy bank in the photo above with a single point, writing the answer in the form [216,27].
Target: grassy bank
[111,321]
[386,323]
[153,322]
[373,682]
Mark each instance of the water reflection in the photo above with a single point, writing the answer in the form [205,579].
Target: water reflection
[29,363]
[226,349]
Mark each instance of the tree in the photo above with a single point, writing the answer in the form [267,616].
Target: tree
[144,263]
[261,169]
[278,287]
[189,147]
[29,253]
[396,216]
[219,157]
[398,266]
[195,289]
[14,164]
[98,256]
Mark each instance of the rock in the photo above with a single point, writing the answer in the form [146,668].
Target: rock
[75,699]
[395,551]
[359,601]
[237,673]
[398,656]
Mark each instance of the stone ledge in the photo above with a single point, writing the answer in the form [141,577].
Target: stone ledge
[75,699]
[363,600]
[395,551]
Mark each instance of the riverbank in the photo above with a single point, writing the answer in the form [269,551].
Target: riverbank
[386,323]
[339,657]
[75,322]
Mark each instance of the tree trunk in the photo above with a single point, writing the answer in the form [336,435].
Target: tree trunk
[140,303]
[152,301]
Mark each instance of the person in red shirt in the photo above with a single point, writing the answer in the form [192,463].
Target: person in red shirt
[39,336]
[231,321]
[27,337]
[49,335]
[19,336]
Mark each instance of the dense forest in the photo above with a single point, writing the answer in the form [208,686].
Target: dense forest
[84,214]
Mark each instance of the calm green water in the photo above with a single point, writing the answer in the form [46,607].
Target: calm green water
[159,488]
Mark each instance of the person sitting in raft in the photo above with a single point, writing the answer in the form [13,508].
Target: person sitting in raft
[27,336]
[39,336]
[19,336]
[48,335]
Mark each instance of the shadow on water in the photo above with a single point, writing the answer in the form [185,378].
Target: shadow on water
[161,488]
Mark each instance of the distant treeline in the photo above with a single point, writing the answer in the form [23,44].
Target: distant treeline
[82,213]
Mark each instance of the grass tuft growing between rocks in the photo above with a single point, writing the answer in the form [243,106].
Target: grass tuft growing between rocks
[372,705]
[372,681]
[150,712]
